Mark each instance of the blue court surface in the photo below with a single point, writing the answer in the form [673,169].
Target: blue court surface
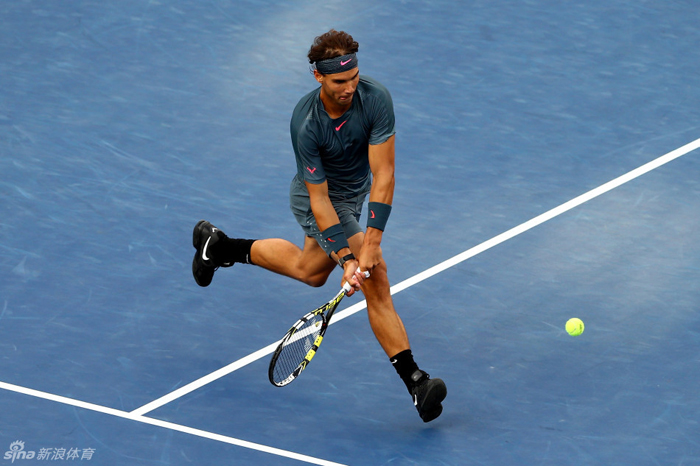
[547,168]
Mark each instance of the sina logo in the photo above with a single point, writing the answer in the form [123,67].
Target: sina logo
[17,452]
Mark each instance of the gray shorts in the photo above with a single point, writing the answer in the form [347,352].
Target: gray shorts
[348,210]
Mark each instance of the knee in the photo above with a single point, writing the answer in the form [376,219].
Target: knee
[316,281]
[314,278]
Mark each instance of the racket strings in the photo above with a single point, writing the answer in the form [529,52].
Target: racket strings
[296,348]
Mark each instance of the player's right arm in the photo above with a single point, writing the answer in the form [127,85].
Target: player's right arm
[326,217]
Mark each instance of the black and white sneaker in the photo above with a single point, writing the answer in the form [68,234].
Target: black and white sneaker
[204,236]
[427,395]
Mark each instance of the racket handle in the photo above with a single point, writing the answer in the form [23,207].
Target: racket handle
[346,285]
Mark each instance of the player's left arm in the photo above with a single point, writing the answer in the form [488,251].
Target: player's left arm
[381,163]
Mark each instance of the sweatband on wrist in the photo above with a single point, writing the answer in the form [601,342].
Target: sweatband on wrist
[334,239]
[378,215]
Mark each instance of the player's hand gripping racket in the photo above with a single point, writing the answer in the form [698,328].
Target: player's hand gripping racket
[299,345]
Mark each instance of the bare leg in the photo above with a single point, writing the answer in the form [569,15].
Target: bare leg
[383,318]
[310,265]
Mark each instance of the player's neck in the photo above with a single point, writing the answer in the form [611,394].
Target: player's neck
[333,109]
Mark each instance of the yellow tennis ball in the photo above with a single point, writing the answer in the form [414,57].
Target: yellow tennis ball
[574,326]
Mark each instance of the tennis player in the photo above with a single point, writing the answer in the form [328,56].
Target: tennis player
[343,138]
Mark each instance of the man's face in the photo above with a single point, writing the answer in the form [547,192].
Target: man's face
[339,88]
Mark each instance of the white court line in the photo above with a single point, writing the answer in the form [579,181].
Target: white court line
[355,308]
[166,425]
[207,379]
[137,415]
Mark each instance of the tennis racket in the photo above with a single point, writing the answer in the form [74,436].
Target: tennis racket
[301,342]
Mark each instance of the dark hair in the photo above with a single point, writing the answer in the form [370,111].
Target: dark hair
[331,45]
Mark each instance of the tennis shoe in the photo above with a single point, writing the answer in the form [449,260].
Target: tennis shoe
[204,236]
[427,395]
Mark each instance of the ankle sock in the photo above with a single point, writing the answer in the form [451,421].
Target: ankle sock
[229,250]
[405,366]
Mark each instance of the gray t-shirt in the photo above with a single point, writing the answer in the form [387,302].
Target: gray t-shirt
[336,150]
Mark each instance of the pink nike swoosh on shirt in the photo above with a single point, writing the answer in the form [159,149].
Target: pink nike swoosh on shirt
[337,128]
[310,170]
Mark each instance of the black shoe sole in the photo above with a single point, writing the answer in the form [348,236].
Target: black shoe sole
[197,264]
[197,234]
[434,396]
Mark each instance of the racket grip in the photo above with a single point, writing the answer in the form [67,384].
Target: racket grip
[346,285]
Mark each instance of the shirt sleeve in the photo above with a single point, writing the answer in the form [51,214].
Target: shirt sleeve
[383,121]
[309,162]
